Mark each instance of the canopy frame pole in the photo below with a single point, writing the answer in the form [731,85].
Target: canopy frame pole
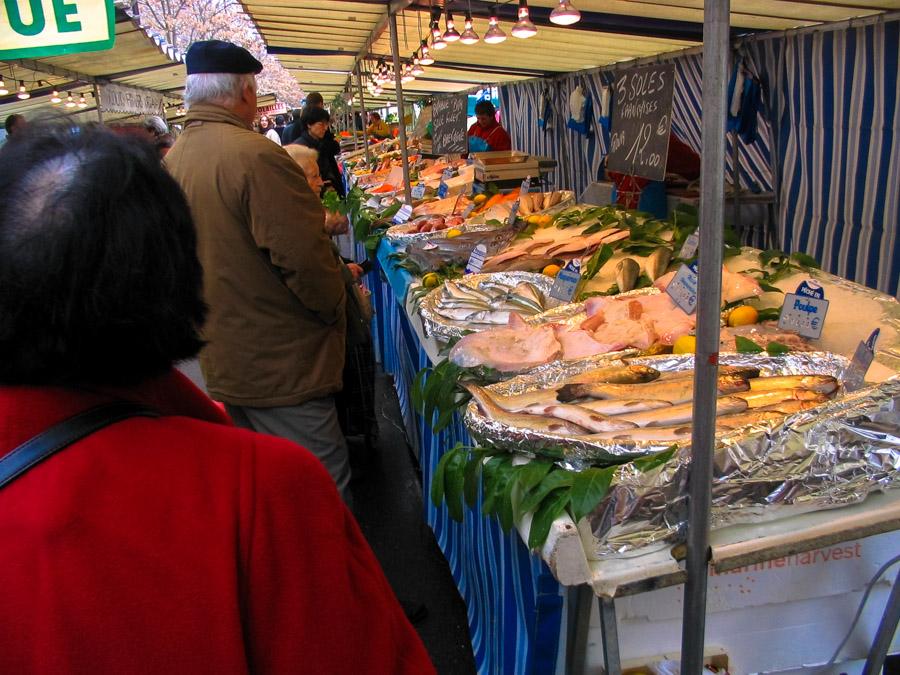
[99,111]
[716,15]
[404,155]
[362,108]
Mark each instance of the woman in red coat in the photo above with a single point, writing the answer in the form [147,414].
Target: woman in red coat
[169,544]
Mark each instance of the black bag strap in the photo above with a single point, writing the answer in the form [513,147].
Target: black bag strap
[62,435]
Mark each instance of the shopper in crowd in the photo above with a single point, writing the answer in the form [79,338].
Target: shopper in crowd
[293,130]
[377,128]
[316,127]
[328,147]
[356,400]
[279,127]
[275,335]
[487,134]
[14,124]
[267,129]
[170,542]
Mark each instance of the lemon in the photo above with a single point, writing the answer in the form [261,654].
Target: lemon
[686,344]
[453,232]
[431,280]
[742,316]
[551,270]
[479,199]
[545,221]
[533,220]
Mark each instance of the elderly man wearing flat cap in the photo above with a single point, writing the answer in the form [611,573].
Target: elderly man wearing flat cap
[276,328]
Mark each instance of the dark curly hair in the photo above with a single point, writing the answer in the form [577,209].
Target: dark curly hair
[313,115]
[99,277]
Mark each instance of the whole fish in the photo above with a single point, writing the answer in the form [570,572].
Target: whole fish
[683,413]
[825,384]
[549,425]
[618,407]
[673,391]
[590,420]
[792,406]
[472,315]
[778,397]
[530,292]
[627,273]
[518,402]
[730,422]
[746,372]
[650,434]
[657,263]
[630,374]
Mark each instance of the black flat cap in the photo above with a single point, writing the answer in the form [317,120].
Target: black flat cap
[216,56]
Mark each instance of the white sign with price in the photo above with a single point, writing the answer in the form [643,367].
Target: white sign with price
[689,248]
[683,288]
[476,260]
[403,214]
[804,311]
[418,191]
[567,281]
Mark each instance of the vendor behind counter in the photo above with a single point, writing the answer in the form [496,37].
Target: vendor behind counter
[634,192]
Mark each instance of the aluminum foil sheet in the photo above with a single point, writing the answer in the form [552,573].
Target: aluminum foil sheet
[442,328]
[578,452]
[402,234]
[568,199]
[828,457]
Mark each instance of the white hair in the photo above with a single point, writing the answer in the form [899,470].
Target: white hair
[305,157]
[219,88]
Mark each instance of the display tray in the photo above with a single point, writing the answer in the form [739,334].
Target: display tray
[501,157]
[406,232]
[584,450]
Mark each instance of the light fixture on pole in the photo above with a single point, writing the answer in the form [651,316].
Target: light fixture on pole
[407,75]
[524,28]
[81,102]
[55,97]
[469,36]
[23,92]
[494,34]
[565,14]
[451,34]
[70,102]
[426,59]
[417,68]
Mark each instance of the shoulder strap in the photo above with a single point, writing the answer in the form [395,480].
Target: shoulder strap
[60,436]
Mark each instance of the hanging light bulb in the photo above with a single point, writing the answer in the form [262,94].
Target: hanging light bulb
[3,90]
[23,92]
[451,34]
[565,14]
[55,98]
[70,102]
[407,75]
[437,42]
[469,36]
[417,68]
[524,28]
[426,59]
[435,28]
[494,34]
[81,102]
[378,91]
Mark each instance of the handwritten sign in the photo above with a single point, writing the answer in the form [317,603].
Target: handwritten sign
[51,27]
[448,121]
[683,288]
[120,99]
[641,121]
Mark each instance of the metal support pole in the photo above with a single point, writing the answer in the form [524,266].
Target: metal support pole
[885,633]
[404,155]
[610,633]
[362,107]
[578,622]
[97,99]
[736,181]
[712,198]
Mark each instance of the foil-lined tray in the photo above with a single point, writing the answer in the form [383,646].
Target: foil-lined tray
[403,234]
[578,451]
[442,328]
[831,456]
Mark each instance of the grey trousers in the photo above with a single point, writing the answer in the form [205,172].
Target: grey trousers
[313,424]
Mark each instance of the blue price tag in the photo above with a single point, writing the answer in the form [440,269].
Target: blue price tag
[804,311]
[566,282]
[478,188]
[683,288]
[447,175]
[442,190]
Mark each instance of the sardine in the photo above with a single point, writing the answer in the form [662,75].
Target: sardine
[673,391]
[630,374]
[627,272]
[825,384]
[650,434]
[590,420]
[530,292]
[549,425]
[683,413]
[777,397]
[617,407]
[657,263]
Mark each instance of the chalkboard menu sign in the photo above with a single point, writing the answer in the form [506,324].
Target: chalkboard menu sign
[641,121]
[448,122]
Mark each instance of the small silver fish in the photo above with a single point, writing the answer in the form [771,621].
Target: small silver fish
[627,273]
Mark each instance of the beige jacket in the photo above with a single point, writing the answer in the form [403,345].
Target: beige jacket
[275,332]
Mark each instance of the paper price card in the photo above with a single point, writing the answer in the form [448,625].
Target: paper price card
[689,248]
[804,311]
[513,213]
[403,214]
[447,175]
[526,186]
[855,375]
[442,190]
[418,191]
[683,288]
[567,280]
[476,260]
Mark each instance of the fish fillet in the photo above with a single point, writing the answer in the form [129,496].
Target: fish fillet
[507,349]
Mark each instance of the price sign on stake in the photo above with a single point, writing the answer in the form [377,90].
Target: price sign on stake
[804,311]
[566,282]
[513,213]
[442,190]
[418,191]
[403,214]
[447,175]
[468,211]
[526,186]
[855,376]
[476,260]
[683,288]
[689,248]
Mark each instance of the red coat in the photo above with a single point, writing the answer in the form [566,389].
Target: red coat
[184,545]
[495,136]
